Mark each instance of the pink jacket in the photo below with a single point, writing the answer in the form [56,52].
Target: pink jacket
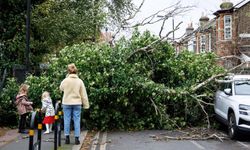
[23,105]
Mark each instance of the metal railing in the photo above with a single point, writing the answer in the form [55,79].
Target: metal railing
[57,131]
[37,144]
[57,128]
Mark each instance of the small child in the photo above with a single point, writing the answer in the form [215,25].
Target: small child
[24,106]
[49,110]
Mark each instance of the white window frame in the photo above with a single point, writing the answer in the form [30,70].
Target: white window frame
[202,43]
[194,45]
[227,27]
[219,29]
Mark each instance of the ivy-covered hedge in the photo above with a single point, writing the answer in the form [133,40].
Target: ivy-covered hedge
[132,88]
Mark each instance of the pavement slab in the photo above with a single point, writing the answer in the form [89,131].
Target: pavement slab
[13,140]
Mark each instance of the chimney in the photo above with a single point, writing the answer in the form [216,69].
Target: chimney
[226,5]
[203,20]
[189,29]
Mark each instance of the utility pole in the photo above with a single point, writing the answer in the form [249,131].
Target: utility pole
[27,52]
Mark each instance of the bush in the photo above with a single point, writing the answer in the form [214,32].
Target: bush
[8,113]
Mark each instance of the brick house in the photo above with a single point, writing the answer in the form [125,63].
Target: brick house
[188,42]
[205,35]
[233,29]
[106,37]
[200,40]
[226,34]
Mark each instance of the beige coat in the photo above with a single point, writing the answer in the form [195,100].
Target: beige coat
[74,91]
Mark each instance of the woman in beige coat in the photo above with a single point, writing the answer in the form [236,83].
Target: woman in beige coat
[74,97]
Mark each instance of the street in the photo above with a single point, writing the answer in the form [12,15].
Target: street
[145,140]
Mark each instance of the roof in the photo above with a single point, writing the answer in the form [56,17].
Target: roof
[187,37]
[241,4]
[232,77]
[207,26]
[234,8]
[237,77]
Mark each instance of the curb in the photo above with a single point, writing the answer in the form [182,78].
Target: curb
[82,137]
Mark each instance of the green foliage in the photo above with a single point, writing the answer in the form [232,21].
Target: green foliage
[120,9]
[130,89]
[12,31]
[54,25]
[61,23]
[8,113]
[40,84]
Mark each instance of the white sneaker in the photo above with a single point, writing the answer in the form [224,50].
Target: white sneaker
[46,132]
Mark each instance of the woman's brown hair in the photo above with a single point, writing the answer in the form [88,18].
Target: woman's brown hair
[72,69]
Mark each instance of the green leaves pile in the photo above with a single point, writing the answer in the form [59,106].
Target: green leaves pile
[130,89]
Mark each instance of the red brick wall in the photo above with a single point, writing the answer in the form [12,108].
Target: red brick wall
[225,47]
[240,24]
[243,25]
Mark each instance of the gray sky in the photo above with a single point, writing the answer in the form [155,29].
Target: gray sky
[206,7]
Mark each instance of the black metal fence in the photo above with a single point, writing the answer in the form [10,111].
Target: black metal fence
[37,116]
[35,145]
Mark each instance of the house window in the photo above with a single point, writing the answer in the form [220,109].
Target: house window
[219,29]
[202,43]
[227,27]
[194,45]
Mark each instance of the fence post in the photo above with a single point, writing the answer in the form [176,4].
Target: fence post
[56,125]
[39,131]
[59,122]
[31,131]
[55,133]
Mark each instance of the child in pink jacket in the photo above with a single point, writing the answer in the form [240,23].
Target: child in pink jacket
[24,106]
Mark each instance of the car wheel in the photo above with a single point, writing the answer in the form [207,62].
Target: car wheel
[232,128]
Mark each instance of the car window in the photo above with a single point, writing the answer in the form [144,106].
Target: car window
[242,87]
[224,86]
[228,85]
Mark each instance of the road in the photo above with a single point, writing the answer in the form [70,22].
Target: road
[145,140]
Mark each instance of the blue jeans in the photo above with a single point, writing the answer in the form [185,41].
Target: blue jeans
[75,112]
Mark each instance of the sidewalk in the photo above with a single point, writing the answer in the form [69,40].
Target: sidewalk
[13,140]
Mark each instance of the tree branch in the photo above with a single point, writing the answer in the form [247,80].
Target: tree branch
[215,76]
[194,134]
[149,46]
[177,9]
[162,26]
[202,107]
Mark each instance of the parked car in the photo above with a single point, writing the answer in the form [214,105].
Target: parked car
[232,104]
